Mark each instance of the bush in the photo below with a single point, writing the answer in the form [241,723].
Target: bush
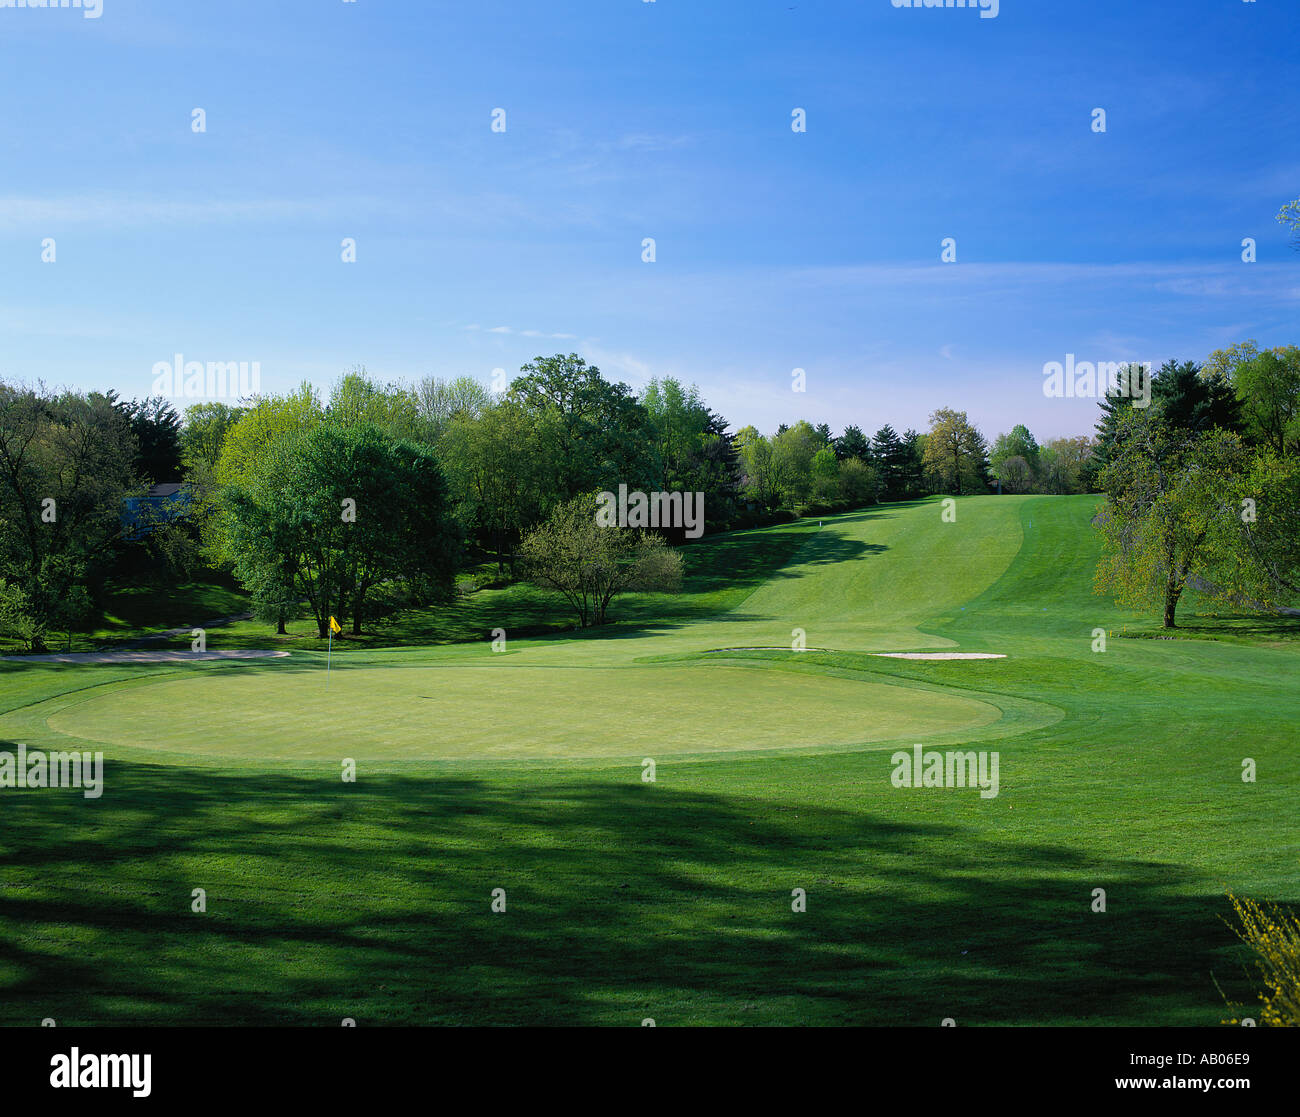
[590,564]
[1274,936]
[18,620]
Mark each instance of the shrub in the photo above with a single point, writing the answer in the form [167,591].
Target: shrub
[1274,937]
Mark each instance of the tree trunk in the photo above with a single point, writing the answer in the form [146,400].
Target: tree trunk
[1172,594]
[279,624]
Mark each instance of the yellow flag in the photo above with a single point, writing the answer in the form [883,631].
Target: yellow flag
[334,625]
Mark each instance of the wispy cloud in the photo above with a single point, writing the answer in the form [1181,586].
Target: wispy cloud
[520,333]
[117,211]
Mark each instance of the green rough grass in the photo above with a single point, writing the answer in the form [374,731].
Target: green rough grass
[719,572]
[671,899]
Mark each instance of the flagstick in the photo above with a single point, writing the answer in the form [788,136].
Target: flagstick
[328,654]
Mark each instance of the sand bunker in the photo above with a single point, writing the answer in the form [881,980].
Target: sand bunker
[163,655]
[939,655]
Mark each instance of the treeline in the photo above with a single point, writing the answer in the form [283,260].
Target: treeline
[369,501]
[1203,485]
[68,463]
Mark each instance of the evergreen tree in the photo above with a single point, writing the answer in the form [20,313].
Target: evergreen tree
[1188,401]
[853,444]
[892,460]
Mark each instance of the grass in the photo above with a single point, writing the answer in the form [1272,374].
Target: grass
[625,899]
[720,571]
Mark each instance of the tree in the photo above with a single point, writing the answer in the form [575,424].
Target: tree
[67,463]
[793,450]
[260,426]
[853,444]
[495,463]
[338,513]
[1019,443]
[1268,388]
[438,402]
[1113,408]
[156,427]
[1062,463]
[679,420]
[955,453]
[203,436]
[825,475]
[1289,216]
[1265,508]
[760,480]
[1164,486]
[589,565]
[893,461]
[857,482]
[1225,362]
[714,468]
[356,399]
[601,435]
[913,463]
[1015,474]
[1189,401]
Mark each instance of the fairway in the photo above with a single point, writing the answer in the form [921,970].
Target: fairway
[522,769]
[490,711]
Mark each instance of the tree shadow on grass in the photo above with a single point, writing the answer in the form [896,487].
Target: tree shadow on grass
[623,901]
[1246,626]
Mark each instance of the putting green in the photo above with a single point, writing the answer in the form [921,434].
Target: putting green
[499,711]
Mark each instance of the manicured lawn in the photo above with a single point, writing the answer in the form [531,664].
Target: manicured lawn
[522,770]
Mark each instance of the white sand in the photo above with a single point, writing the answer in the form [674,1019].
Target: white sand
[175,655]
[939,655]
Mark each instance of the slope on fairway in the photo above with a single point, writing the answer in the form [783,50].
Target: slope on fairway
[871,580]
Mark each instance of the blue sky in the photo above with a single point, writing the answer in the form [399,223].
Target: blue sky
[625,120]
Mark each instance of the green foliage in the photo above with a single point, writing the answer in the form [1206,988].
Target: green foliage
[1273,936]
[156,428]
[496,461]
[692,447]
[589,564]
[357,400]
[761,483]
[893,460]
[793,450]
[597,434]
[203,436]
[1064,465]
[1268,388]
[955,456]
[19,621]
[1289,216]
[1019,443]
[825,475]
[853,444]
[1187,400]
[339,513]
[1166,520]
[441,401]
[67,462]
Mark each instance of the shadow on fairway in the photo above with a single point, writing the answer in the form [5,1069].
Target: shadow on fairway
[624,901]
